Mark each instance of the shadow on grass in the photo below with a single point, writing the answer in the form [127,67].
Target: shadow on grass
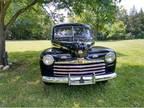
[77,89]
[22,60]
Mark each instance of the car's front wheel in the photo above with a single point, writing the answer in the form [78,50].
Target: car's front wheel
[104,82]
[47,83]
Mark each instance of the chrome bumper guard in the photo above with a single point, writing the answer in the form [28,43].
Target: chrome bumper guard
[79,80]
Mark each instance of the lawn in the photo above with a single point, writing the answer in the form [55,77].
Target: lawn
[22,85]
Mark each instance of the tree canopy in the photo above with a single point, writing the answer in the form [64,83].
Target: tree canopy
[30,19]
[10,10]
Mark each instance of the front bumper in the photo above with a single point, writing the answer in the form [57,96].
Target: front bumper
[79,80]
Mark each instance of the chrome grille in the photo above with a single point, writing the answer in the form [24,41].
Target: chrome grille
[74,68]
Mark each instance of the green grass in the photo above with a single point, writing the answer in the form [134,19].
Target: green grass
[22,85]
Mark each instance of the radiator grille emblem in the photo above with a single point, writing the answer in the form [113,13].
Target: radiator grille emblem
[80,52]
[81,61]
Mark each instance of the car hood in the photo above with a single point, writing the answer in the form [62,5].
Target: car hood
[74,45]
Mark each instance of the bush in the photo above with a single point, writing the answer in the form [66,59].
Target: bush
[100,36]
[129,36]
[140,35]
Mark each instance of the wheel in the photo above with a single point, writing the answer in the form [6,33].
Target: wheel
[47,83]
[104,82]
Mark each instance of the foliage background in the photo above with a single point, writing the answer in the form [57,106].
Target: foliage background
[108,21]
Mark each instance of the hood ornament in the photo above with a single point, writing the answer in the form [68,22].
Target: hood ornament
[80,52]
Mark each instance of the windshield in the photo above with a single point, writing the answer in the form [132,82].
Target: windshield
[72,33]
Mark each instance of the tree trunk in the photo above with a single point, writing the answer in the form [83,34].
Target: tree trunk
[3,58]
[2,46]
[4,5]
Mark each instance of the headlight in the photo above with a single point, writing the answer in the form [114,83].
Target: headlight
[110,57]
[48,59]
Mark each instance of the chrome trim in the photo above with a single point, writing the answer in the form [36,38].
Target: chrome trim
[79,69]
[77,62]
[74,80]
[102,70]
[81,66]
[62,75]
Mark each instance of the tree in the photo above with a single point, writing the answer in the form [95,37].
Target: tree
[4,5]
[97,13]
[76,6]
[116,30]
[28,27]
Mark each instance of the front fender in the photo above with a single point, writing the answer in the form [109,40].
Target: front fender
[56,53]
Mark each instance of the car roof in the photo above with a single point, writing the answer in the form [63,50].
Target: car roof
[72,24]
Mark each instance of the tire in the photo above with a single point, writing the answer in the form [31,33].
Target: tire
[104,82]
[45,83]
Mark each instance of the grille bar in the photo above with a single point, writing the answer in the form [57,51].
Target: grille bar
[98,73]
[75,68]
[80,69]
[76,62]
[80,72]
[78,66]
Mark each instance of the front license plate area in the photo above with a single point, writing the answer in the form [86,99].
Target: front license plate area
[81,80]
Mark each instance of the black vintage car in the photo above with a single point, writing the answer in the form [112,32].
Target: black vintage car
[74,59]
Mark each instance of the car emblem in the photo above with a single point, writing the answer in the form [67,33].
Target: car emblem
[80,52]
[81,61]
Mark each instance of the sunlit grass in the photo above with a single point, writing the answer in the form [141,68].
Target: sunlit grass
[22,85]
[21,46]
